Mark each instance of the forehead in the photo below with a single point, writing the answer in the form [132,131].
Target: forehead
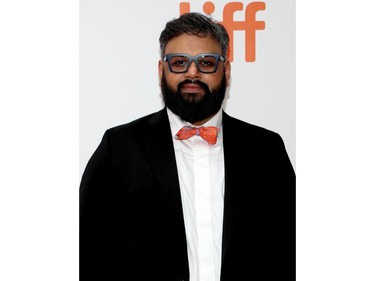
[192,45]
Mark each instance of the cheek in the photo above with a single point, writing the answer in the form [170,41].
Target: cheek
[172,81]
[213,81]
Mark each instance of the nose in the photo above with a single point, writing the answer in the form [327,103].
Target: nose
[192,72]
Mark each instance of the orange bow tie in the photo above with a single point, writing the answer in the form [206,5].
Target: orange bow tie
[209,134]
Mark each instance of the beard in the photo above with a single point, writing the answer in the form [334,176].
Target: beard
[193,107]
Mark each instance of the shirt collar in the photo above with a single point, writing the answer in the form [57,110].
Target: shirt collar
[176,123]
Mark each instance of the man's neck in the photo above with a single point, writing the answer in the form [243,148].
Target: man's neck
[200,123]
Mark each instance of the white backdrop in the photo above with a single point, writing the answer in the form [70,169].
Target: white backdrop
[119,53]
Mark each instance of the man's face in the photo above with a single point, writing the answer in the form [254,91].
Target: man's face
[193,95]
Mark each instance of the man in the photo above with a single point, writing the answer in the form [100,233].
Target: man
[189,193]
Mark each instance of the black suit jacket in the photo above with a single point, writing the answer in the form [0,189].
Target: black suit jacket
[131,220]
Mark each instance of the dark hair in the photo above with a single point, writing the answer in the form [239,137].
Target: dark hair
[194,24]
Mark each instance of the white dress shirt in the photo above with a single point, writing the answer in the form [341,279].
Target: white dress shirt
[201,176]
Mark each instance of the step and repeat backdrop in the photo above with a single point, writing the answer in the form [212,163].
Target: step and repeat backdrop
[119,54]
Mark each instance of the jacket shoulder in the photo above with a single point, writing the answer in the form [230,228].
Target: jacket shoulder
[247,130]
[137,124]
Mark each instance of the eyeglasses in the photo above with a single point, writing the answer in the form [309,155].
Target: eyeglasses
[180,63]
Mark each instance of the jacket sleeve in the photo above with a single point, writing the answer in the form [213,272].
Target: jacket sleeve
[97,208]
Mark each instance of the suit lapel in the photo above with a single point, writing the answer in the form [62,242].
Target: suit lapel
[160,149]
[231,194]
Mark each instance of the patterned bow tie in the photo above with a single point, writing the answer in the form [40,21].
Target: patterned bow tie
[209,134]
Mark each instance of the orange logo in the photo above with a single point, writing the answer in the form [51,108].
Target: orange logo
[249,25]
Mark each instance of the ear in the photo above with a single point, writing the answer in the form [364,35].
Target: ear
[160,69]
[227,69]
